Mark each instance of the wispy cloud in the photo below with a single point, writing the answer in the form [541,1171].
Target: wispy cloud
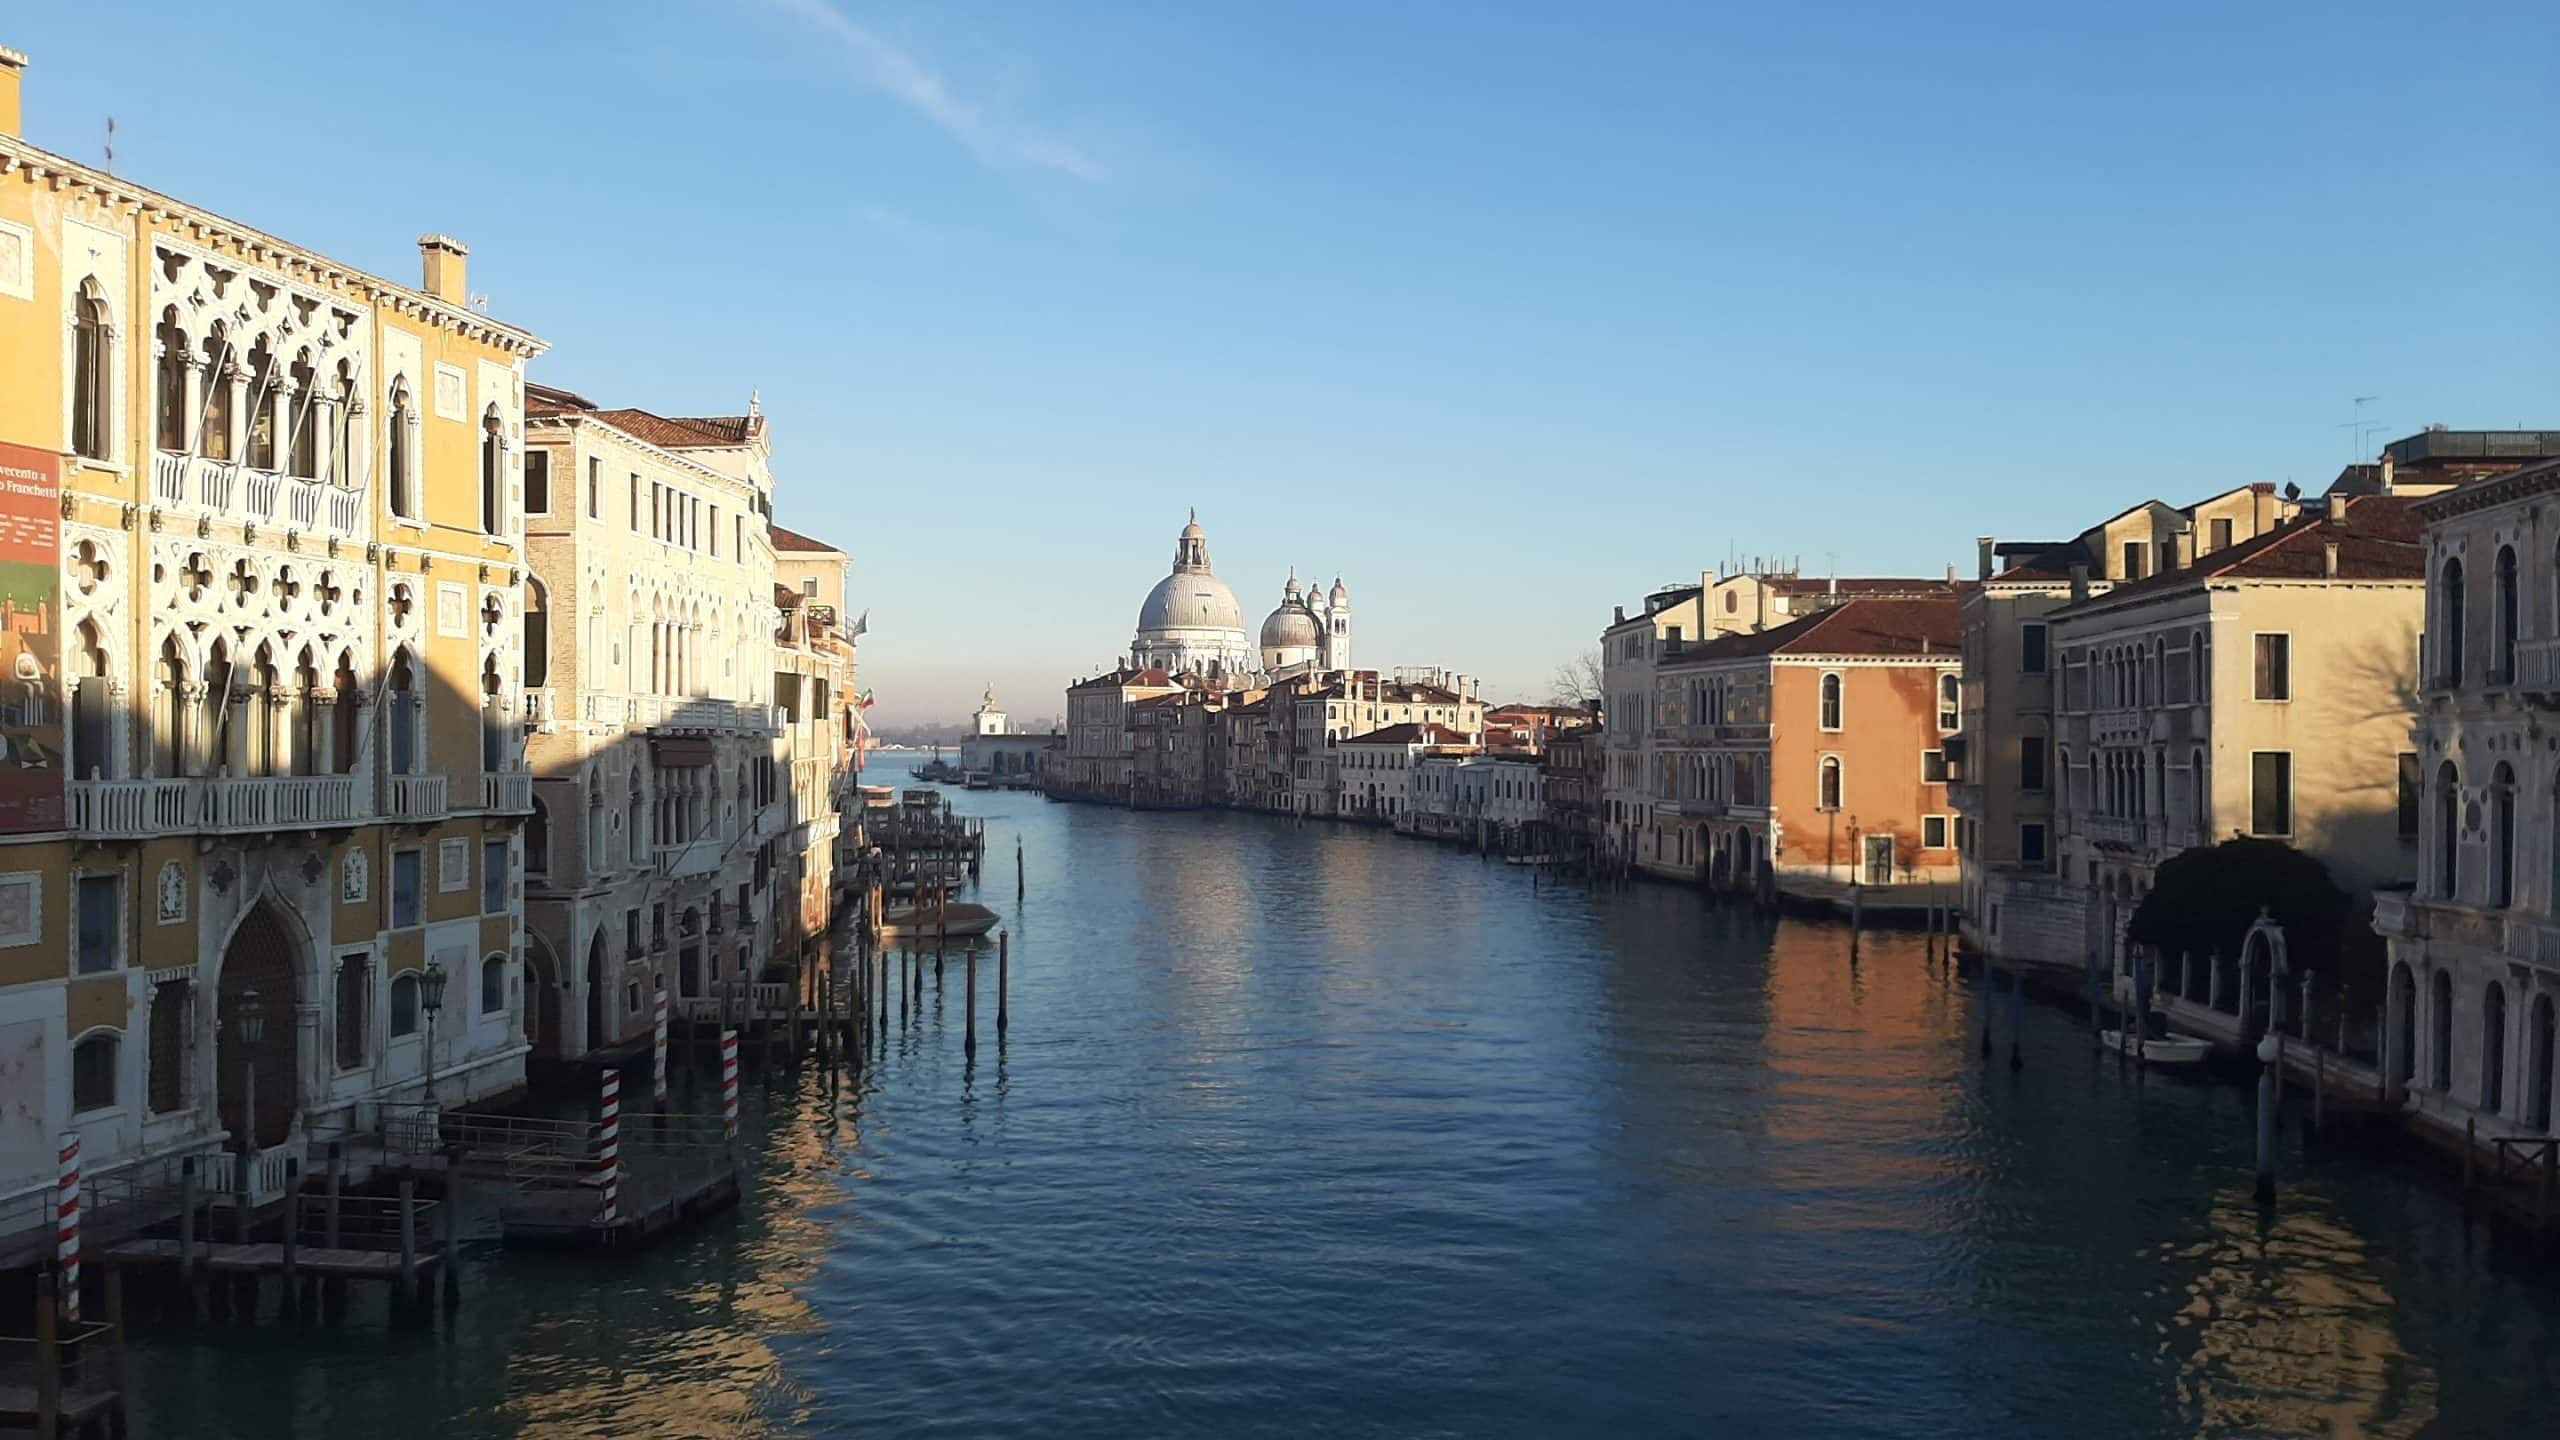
[899,225]
[914,83]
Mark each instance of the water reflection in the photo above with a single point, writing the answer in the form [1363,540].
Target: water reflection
[1303,1129]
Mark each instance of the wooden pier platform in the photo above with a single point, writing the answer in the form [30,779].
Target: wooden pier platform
[21,1408]
[310,1261]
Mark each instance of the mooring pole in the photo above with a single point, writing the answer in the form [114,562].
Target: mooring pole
[2268,1057]
[1004,963]
[1017,867]
[2018,1020]
[969,1031]
[292,1225]
[187,1219]
[337,1183]
[452,1208]
[408,1242]
[1989,1005]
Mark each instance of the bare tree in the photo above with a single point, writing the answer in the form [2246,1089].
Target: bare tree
[1576,682]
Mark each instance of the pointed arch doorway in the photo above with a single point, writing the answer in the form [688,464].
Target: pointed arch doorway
[259,971]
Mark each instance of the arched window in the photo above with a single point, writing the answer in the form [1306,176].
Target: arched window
[2503,622]
[404,1004]
[92,711]
[2493,1048]
[493,984]
[2198,687]
[342,427]
[2448,832]
[493,472]
[2502,821]
[2440,1028]
[638,839]
[213,439]
[173,371]
[91,428]
[94,1061]
[2449,622]
[1828,797]
[404,502]
[265,391]
[169,713]
[596,858]
[1831,704]
[302,446]
[537,634]
[1948,713]
[2201,798]
[537,840]
[402,703]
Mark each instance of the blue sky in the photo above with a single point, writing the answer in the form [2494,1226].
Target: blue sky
[1506,313]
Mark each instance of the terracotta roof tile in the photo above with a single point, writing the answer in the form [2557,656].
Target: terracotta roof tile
[793,540]
[1875,628]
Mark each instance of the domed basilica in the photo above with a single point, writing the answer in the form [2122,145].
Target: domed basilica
[1192,625]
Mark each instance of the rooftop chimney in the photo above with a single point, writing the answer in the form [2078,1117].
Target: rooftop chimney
[2080,580]
[1984,559]
[443,258]
[2187,547]
[2386,455]
[2329,559]
[13,68]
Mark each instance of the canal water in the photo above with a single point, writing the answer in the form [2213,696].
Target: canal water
[1311,1130]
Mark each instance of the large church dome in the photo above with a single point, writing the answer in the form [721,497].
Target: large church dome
[1191,623]
[1191,601]
[1290,627]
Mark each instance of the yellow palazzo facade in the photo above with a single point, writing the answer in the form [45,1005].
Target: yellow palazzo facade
[261,608]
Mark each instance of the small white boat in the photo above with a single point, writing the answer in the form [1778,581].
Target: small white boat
[2171,1050]
[1540,859]
[961,921]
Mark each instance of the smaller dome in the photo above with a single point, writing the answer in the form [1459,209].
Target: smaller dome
[1339,595]
[1289,628]
[1292,591]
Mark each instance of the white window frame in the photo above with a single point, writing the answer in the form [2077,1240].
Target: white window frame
[2256,636]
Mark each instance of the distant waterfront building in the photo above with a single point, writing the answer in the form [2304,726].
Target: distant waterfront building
[995,749]
[1640,821]
[1377,767]
[1811,755]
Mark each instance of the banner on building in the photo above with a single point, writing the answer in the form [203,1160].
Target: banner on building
[31,759]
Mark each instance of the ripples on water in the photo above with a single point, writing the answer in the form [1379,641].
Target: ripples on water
[1304,1130]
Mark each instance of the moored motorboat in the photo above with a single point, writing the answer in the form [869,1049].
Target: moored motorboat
[2169,1050]
[959,921]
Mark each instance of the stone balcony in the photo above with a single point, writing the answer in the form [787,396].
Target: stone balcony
[2538,666]
[507,792]
[673,712]
[413,799]
[140,809]
[2118,725]
[229,492]
[2519,936]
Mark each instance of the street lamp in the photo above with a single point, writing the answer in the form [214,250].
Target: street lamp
[431,999]
[249,1021]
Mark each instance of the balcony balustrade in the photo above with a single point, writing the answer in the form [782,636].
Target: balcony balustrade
[507,792]
[2538,666]
[413,797]
[138,809]
[225,490]
[2119,725]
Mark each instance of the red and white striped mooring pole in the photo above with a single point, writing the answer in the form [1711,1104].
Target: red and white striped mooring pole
[658,1040]
[67,1217]
[728,1084]
[609,1149]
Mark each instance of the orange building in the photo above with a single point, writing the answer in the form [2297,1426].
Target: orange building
[1810,755]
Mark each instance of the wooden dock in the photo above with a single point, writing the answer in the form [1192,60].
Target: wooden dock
[309,1261]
